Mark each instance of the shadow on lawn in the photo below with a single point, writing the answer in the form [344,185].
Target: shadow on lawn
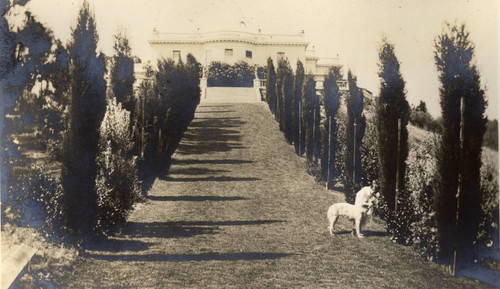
[211,162]
[183,229]
[118,245]
[207,147]
[192,257]
[193,171]
[216,111]
[195,198]
[211,179]
[365,233]
[165,230]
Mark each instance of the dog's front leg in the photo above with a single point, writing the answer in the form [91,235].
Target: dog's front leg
[358,227]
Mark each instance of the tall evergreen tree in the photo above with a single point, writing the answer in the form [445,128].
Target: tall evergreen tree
[355,131]
[287,101]
[298,140]
[271,86]
[122,72]
[459,163]
[391,107]
[308,105]
[87,107]
[329,135]
[280,78]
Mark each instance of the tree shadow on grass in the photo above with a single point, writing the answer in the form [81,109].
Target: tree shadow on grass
[225,223]
[193,171]
[165,230]
[195,198]
[117,245]
[211,179]
[211,162]
[183,229]
[207,147]
[216,111]
[192,257]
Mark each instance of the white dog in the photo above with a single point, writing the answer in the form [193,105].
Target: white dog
[353,212]
[367,196]
[359,212]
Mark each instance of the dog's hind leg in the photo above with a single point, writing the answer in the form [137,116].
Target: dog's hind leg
[332,219]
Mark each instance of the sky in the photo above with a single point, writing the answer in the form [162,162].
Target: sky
[353,29]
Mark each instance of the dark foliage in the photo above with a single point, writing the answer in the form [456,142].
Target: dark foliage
[87,106]
[309,103]
[329,134]
[280,106]
[287,91]
[271,86]
[459,163]
[355,131]
[122,72]
[241,74]
[491,135]
[391,108]
[298,136]
[179,95]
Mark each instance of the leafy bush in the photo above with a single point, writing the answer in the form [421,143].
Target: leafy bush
[29,198]
[241,74]
[35,201]
[117,183]
[490,138]
[369,155]
[414,223]
[424,120]
[489,188]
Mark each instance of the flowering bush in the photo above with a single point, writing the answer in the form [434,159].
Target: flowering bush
[117,183]
[415,221]
[241,74]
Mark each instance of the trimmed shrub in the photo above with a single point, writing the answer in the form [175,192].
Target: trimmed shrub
[117,184]
[241,74]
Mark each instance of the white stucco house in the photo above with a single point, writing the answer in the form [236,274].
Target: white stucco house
[233,46]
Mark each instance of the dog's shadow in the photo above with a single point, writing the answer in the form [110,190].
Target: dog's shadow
[365,233]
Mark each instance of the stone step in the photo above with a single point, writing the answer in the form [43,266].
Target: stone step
[231,95]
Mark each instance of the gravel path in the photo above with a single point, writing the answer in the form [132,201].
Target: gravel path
[237,209]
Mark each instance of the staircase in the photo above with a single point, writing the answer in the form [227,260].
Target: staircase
[231,95]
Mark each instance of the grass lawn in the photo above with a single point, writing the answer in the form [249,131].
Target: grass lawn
[237,209]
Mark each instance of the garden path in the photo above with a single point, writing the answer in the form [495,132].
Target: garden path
[237,209]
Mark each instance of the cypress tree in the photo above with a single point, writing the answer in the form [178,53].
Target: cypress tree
[354,135]
[287,101]
[459,163]
[296,102]
[391,107]
[122,72]
[308,97]
[87,107]
[280,77]
[329,136]
[271,86]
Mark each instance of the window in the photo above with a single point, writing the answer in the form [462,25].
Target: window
[281,55]
[249,54]
[176,54]
[229,53]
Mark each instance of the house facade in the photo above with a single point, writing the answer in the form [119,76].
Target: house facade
[233,46]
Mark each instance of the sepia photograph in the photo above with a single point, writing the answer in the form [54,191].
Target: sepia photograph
[249,144]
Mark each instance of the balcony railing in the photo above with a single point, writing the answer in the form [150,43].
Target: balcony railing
[226,35]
